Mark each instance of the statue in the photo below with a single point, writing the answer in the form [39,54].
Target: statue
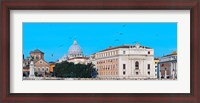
[31,70]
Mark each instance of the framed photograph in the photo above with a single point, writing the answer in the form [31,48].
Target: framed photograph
[100,51]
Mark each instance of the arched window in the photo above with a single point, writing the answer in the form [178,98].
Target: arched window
[136,65]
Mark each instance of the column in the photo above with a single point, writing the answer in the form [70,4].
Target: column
[165,73]
[160,74]
[171,69]
[158,71]
[175,69]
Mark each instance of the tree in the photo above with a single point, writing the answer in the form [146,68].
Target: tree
[36,74]
[71,70]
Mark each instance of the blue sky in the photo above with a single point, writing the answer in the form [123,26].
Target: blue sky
[56,38]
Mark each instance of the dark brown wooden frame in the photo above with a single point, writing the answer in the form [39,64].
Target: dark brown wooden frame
[192,5]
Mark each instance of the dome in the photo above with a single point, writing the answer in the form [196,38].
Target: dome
[75,50]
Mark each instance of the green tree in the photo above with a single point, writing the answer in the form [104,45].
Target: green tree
[71,70]
[36,74]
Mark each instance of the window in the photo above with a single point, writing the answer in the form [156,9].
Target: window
[148,52]
[136,65]
[124,72]
[124,66]
[37,57]
[40,62]
[38,69]
[148,73]
[136,73]
[47,69]
[148,66]
[165,68]
[124,52]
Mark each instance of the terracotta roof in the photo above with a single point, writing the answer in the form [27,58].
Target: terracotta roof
[123,46]
[37,51]
[173,53]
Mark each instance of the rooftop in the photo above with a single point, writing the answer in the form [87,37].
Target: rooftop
[173,53]
[124,46]
[37,51]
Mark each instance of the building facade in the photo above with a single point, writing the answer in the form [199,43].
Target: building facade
[156,60]
[52,66]
[41,67]
[126,61]
[167,66]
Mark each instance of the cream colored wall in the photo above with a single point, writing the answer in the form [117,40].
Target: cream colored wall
[129,58]
[41,66]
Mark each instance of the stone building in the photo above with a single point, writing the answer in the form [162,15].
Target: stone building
[126,61]
[37,55]
[52,66]
[167,66]
[41,67]
[156,60]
